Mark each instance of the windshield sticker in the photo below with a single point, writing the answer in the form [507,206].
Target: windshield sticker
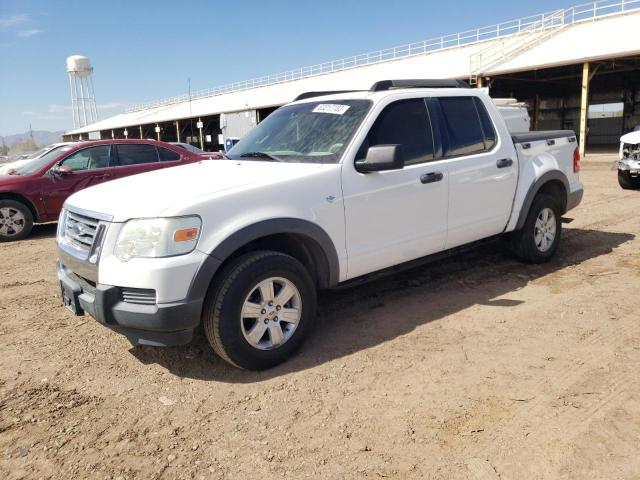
[331,108]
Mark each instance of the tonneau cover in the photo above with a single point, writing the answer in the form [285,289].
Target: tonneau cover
[542,135]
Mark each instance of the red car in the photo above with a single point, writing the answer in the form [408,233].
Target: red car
[35,192]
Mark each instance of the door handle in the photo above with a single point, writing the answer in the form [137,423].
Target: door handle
[431,177]
[504,162]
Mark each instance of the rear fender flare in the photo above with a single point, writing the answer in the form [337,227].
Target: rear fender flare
[553,175]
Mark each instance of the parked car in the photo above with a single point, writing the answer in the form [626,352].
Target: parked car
[326,190]
[36,191]
[628,162]
[24,159]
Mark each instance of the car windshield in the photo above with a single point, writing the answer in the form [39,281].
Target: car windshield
[37,163]
[313,132]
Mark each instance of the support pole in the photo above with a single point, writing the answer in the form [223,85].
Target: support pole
[158,131]
[536,112]
[201,138]
[178,130]
[140,132]
[479,82]
[584,107]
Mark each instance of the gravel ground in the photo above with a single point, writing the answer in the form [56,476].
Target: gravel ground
[475,367]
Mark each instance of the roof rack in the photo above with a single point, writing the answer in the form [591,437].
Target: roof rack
[305,95]
[419,83]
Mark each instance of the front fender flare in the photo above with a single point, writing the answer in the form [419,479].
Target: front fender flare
[208,269]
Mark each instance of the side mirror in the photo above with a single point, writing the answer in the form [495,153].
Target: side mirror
[61,170]
[381,158]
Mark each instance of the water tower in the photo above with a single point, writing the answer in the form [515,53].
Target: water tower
[83,100]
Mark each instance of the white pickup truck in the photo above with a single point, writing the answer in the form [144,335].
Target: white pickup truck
[327,189]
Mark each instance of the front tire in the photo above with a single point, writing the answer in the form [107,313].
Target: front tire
[259,310]
[539,238]
[627,182]
[16,220]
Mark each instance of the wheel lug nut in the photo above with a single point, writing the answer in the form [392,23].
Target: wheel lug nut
[278,307]
[263,311]
[275,319]
[271,303]
[266,320]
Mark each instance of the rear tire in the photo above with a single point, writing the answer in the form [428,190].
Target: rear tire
[259,310]
[538,239]
[628,182]
[16,220]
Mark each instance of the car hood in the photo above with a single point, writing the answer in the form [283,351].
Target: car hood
[633,138]
[10,180]
[169,191]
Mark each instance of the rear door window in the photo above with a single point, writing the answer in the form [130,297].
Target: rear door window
[167,155]
[405,123]
[490,137]
[462,132]
[136,154]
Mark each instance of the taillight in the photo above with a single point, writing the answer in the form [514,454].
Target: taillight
[576,160]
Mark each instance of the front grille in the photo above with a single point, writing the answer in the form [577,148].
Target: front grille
[81,230]
[141,296]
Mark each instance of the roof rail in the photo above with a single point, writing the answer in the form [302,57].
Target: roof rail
[418,83]
[305,95]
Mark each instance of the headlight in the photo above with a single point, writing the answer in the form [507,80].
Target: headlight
[158,237]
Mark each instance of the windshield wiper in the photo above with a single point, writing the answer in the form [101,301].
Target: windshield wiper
[268,156]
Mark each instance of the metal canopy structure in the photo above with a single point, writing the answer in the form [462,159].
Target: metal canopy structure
[573,36]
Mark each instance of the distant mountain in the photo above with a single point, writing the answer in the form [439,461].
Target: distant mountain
[41,137]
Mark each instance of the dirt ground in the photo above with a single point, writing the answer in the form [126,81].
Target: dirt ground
[475,367]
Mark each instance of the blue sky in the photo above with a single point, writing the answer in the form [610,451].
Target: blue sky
[145,50]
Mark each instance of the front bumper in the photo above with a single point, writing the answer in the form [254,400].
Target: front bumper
[629,165]
[167,324]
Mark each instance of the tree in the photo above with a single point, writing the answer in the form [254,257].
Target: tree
[25,146]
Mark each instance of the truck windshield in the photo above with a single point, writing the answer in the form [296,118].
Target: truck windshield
[37,163]
[313,132]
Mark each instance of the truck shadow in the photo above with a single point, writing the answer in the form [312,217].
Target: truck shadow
[362,317]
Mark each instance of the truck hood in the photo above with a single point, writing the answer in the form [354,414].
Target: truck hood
[633,138]
[169,191]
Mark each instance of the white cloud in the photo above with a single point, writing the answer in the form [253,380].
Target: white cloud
[29,33]
[14,20]
[29,113]
[54,108]
[109,106]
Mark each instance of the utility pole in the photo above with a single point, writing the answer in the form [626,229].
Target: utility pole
[190,111]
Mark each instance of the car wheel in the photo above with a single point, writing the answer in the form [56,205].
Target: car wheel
[628,182]
[259,310]
[16,220]
[538,239]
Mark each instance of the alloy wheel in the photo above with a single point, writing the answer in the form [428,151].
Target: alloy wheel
[271,313]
